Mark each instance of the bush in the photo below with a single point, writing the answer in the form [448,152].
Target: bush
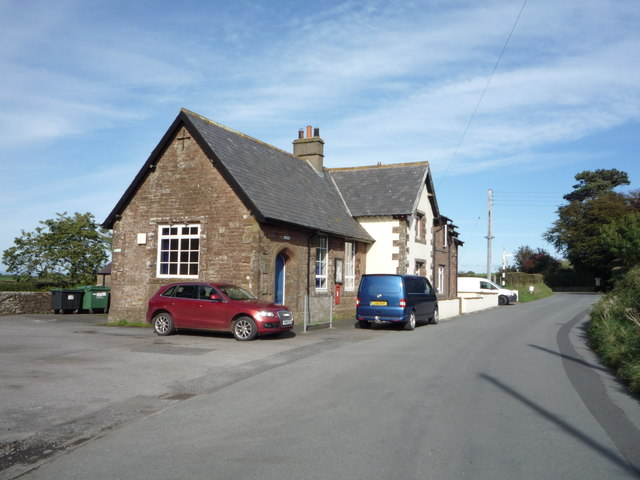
[570,279]
[17,287]
[520,279]
[614,330]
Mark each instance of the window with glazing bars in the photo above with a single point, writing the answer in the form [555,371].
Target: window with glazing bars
[178,250]
[321,263]
[349,266]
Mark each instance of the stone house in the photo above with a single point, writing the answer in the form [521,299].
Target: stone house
[445,257]
[397,206]
[103,276]
[212,203]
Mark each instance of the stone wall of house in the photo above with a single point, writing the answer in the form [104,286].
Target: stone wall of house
[445,254]
[184,188]
[17,303]
[298,246]
[402,230]
[292,244]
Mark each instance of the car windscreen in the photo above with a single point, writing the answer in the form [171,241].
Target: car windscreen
[391,285]
[236,293]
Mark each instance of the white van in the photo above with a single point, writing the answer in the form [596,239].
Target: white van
[482,285]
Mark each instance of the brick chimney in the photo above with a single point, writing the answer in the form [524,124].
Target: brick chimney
[310,148]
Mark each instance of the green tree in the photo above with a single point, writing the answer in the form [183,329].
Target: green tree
[622,238]
[591,184]
[592,205]
[68,249]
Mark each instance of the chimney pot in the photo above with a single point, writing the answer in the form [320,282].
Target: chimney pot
[310,148]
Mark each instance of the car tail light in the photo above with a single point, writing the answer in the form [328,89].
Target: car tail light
[403,303]
[357,302]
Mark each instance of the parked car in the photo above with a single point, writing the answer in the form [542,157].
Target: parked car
[215,307]
[396,299]
[482,285]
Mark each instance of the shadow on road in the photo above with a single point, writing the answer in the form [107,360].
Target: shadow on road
[572,359]
[605,452]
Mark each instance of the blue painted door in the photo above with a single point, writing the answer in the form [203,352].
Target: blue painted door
[279,280]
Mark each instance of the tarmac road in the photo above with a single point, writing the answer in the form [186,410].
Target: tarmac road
[508,393]
[66,379]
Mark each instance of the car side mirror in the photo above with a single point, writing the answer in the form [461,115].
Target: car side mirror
[216,297]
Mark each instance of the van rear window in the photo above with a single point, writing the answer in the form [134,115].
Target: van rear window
[386,285]
[416,285]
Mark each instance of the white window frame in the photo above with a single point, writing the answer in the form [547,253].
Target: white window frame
[420,218]
[179,247]
[441,280]
[322,262]
[349,266]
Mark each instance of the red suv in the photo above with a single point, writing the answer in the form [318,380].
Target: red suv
[217,307]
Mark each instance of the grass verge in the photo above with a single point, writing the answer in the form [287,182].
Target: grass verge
[614,330]
[540,291]
[124,323]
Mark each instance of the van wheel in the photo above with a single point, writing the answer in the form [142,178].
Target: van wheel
[411,323]
[364,324]
[436,317]
[502,300]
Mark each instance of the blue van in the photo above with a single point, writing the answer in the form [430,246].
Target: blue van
[398,299]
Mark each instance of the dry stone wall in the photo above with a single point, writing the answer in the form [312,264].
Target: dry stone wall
[17,303]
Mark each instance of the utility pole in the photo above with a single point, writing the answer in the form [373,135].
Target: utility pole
[489,237]
[504,264]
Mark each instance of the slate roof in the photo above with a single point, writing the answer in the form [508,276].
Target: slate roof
[384,190]
[105,270]
[275,185]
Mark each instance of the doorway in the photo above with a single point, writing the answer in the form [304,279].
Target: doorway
[278,296]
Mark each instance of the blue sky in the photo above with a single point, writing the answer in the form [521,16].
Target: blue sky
[88,88]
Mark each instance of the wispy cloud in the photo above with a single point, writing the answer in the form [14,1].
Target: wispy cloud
[397,68]
[96,83]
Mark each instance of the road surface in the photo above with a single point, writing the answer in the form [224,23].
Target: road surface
[509,393]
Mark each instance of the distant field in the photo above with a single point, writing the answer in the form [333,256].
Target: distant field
[9,283]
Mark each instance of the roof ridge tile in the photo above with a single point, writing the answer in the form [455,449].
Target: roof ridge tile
[382,166]
[235,132]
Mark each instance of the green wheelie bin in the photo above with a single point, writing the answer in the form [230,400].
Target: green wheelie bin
[96,298]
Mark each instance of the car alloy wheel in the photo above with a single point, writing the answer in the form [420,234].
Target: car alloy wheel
[245,329]
[163,324]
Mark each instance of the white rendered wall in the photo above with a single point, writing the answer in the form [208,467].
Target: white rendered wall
[379,256]
[421,251]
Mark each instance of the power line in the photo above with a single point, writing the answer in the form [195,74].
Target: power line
[528,199]
[475,110]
